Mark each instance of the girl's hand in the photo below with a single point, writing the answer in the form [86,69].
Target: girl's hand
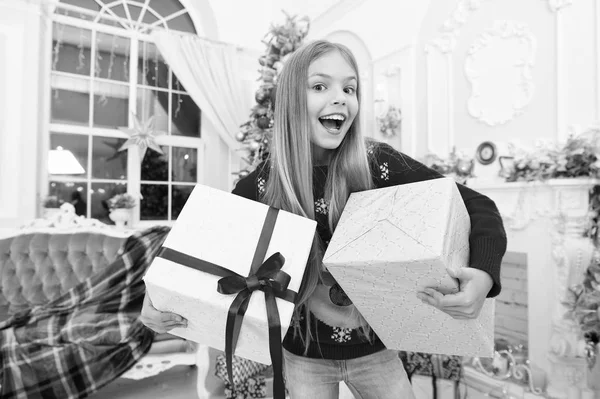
[161,322]
[475,284]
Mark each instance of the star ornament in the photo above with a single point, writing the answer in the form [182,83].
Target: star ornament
[142,136]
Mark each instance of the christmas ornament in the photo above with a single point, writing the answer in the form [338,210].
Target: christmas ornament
[142,136]
[263,122]
[263,94]
[465,167]
[268,74]
[240,136]
[254,146]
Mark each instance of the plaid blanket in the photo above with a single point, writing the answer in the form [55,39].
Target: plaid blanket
[76,344]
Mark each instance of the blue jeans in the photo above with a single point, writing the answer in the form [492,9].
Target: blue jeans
[377,376]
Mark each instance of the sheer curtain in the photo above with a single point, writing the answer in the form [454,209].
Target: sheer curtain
[211,74]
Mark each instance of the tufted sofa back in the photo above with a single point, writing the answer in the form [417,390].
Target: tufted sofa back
[36,268]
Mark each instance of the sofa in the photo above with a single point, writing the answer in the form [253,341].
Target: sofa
[71,291]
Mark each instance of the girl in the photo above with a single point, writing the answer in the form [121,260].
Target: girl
[318,158]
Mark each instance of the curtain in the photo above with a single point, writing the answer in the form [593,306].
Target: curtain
[211,74]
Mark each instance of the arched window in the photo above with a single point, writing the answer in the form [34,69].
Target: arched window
[108,81]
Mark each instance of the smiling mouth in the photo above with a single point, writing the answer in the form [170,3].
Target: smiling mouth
[333,123]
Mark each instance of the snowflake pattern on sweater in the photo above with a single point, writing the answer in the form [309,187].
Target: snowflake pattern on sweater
[337,338]
[321,206]
[385,171]
[341,335]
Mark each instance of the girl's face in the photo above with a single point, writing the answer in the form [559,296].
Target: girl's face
[331,101]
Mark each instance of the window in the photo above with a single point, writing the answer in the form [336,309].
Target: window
[106,79]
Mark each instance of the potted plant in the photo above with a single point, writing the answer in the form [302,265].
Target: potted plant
[51,206]
[120,208]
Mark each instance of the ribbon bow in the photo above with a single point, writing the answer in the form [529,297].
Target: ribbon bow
[269,274]
[273,282]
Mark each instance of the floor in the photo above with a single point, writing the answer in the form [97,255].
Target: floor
[176,383]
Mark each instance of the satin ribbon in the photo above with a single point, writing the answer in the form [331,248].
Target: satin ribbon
[266,276]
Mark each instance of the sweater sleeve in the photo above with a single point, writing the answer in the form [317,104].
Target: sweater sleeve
[248,187]
[487,240]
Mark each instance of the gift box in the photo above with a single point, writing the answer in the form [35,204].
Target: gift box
[391,242]
[225,232]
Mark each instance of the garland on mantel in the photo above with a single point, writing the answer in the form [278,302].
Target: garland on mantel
[458,165]
[579,157]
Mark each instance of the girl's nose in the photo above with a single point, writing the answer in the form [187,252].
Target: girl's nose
[339,98]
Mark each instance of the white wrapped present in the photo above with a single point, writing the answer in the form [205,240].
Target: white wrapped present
[391,242]
[224,229]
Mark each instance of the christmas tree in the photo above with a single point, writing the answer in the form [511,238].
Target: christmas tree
[255,134]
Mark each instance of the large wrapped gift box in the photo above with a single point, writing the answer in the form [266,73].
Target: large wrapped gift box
[392,241]
[224,229]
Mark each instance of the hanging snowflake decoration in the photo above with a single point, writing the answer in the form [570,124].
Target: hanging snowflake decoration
[142,136]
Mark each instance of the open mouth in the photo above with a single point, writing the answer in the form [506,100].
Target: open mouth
[333,122]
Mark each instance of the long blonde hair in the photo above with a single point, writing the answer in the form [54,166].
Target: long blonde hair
[290,183]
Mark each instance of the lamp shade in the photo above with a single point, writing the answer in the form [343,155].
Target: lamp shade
[63,162]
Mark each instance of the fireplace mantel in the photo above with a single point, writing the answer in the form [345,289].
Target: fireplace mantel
[546,221]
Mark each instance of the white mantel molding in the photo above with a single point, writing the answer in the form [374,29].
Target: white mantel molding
[520,203]
[556,183]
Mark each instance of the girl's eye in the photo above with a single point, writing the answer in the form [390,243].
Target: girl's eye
[350,90]
[319,87]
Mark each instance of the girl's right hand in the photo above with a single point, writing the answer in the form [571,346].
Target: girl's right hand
[158,321]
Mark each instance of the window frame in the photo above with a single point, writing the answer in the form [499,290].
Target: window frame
[133,179]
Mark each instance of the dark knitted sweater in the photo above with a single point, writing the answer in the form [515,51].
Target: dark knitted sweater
[388,168]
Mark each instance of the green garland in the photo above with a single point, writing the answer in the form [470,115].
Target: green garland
[577,158]
[457,165]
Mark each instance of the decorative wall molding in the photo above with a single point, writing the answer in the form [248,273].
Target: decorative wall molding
[447,40]
[561,93]
[557,5]
[451,27]
[503,109]
[429,94]
[450,69]
[446,43]
[597,9]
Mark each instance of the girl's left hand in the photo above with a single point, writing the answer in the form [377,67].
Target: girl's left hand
[475,284]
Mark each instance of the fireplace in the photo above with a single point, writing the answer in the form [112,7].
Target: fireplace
[511,321]
[547,253]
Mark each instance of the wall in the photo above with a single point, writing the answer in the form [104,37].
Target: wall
[382,35]
[505,70]
[21,32]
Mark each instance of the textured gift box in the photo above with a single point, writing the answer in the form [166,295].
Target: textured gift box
[224,229]
[392,241]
